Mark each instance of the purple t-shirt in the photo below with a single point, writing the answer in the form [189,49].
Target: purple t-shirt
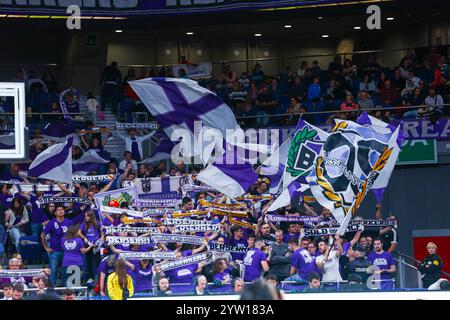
[92,233]
[142,278]
[304,262]
[57,230]
[72,252]
[182,274]
[252,262]
[383,260]
[242,243]
[104,267]
[221,275]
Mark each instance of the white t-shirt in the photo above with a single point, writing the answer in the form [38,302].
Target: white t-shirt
[331,268]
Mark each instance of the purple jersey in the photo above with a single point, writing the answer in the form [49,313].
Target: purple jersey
[182,274]
[252,262]
[304,262]
[91,233]
[57,230]
[383,260]
[142,278]
[72,252]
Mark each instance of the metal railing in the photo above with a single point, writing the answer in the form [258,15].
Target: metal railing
[83,291]
[343,111]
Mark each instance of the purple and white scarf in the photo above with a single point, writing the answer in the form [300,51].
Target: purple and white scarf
[205,256]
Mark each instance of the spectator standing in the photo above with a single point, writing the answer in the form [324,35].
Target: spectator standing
[133,143]
[279,257]
[56,229]
[110,81]
[255,261]
[382,259]
[431,266]
[328,262]
[120,284]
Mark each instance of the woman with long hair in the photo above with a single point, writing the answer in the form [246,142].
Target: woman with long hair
[90,232]
[120,284]
[221,277]
[74,249]
[17,221]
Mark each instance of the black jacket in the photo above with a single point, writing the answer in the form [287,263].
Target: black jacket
[280,264]
[431,268]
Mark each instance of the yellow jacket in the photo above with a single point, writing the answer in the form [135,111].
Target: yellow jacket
[115,292]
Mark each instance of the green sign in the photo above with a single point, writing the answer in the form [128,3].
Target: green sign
[418,152]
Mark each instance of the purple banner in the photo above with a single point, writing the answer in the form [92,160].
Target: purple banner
[415,129]
[147,7]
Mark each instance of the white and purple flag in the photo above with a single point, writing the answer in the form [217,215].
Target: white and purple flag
[58,130]
[284,199]
[54,163]
[163,148]
[90,161]
[231,174]
[179,103]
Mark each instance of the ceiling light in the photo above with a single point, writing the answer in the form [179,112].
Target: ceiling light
[390,18]
[325,36]
[357,28]
[258,34]
[190,33]
[119,31]
[320,18]
[288,26]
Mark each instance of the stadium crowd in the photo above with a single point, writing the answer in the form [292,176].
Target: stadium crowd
[74,234]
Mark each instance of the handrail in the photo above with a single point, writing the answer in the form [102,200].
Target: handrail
[341,111]
[229,61]
[417,261]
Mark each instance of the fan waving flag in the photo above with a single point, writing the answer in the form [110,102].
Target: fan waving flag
[179,103]
[383,127]
[90,161]
[306,145]
[382,168]
[54,163]
[347,162]
[231,175]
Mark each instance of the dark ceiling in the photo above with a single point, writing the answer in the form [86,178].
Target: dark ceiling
[337,21]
